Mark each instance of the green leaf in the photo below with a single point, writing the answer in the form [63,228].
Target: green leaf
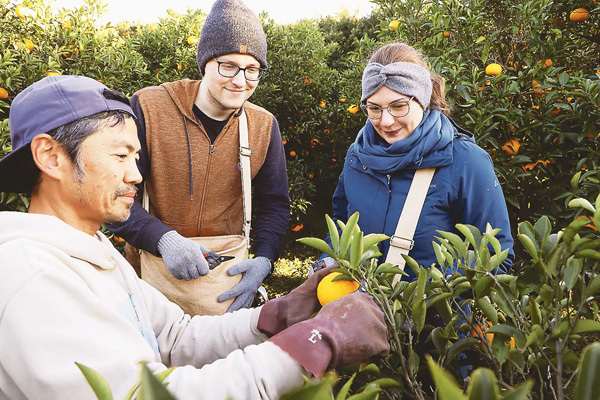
[494,242]
[386,383]
[151,388]
[97,382]
[318,244]
[597,213]
[593,286]
[526,228]
[446,386]
[573,229]
[343,393]
[372,239]
[536,337]
[572,271]
[589,254]
[356,250]
[483,385]
[422,278]
[485,305]
[586,384]
[497,259]
[563,79]
[519,392]
[334,234]
[482,286]
[575,180]
[542,229]
[419,312]
[582,203]
[536,312]
[347,233]
[461,345]
[441,259]
[471,233]
[456,241]
[529,245]
[586,326]
[411,263]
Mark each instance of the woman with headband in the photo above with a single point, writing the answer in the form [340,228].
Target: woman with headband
[408,128]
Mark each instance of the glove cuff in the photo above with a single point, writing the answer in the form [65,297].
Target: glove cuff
[169,241]
[310,344]
[272,319]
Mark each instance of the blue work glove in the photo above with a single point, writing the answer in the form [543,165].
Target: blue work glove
[254,271]
[184,257]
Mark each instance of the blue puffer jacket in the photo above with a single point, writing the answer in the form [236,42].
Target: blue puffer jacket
[464,190]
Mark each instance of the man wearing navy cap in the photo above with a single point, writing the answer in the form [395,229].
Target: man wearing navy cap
[67,295]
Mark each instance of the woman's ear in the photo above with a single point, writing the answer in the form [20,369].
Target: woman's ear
[48,156]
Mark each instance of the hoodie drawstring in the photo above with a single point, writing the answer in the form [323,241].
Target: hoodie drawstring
[187,135]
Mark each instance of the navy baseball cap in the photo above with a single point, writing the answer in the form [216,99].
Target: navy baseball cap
[45,105]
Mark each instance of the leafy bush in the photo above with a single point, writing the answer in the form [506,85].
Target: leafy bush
[526,328]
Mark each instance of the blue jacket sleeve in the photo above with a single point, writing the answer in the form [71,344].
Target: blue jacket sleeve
[271,200]
[141,230]
[480,200]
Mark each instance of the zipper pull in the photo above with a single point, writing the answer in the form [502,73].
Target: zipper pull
[212,149]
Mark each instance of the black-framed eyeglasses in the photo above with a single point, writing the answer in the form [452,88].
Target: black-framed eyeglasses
[397,109]
[229,70]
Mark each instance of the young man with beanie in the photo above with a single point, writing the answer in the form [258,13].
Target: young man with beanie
[67,295]
[190,158]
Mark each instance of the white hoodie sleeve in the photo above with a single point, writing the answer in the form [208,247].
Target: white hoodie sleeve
[54,313]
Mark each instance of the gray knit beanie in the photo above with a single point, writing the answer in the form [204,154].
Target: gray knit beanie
[231,27]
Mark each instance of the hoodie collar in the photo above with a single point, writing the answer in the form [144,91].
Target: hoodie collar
[54,232]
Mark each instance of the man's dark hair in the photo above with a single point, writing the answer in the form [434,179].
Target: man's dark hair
[71,135]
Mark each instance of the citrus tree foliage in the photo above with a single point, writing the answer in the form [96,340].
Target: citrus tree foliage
[506,335]
[545,103]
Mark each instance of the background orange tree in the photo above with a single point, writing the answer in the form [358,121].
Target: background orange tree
[545,103]
[538,117]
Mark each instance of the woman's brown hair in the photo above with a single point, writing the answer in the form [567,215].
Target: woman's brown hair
[401,52]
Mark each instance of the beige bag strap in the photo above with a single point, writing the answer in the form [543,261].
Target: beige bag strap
[245,154]
[402,240]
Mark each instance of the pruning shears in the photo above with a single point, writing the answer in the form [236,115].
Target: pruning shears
[214,259]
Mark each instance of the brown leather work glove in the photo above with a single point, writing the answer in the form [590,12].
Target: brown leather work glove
[345,331]
[296,306]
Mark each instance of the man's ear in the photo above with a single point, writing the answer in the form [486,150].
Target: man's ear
[48,156]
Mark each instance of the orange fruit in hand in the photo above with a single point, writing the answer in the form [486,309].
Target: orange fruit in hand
[3,94]
[579,15]
[493,69]
[511,147]
[329,291]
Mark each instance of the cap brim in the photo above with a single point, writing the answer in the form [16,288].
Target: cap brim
[18,172]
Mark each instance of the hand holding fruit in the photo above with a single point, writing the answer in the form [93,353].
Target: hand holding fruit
[298,305]
[344,332]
